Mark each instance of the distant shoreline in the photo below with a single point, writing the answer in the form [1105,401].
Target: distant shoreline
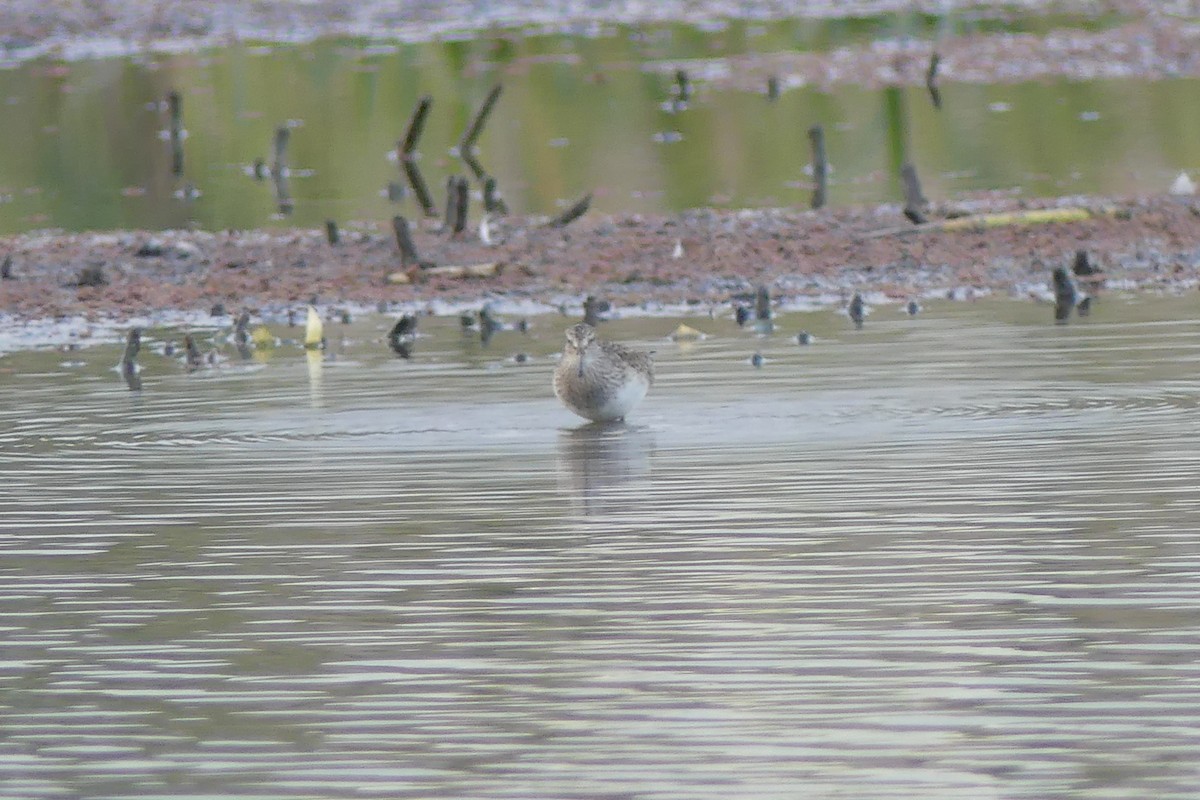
[1078,40]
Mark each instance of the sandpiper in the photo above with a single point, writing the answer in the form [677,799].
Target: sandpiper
[601,381]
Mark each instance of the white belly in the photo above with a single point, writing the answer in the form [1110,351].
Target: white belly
[621,402]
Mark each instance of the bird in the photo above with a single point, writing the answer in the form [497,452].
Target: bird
[913,308]
[400,337]
[1064,295]
[803,338]
[601,381]
[857,310]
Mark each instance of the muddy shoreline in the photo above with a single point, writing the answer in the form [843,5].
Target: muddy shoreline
[703,258]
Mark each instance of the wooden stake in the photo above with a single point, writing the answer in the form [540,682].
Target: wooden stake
[331,232]
[175,108]
[816,135]
[931,80]
[451,203]
[462,191]
[283,135]
[408,250]
[914,201]
[773,88]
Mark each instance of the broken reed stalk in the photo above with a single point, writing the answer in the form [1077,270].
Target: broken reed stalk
[493,203]
[982,222]
[473,164]
[914,201]
[283,135]
[683,86]
[451,202]
[935,94]
[471,134]
[283,194]
[175,110]
[420,189]
[820,166]
[408,250]
[577,210]
[462,192]
[416,125]
[331,232]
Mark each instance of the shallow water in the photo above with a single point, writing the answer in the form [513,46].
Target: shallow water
[952,556]
[82,147]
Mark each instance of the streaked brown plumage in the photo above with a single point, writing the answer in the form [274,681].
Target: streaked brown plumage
[601,381]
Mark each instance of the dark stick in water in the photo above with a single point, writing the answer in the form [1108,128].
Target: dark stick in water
[408,250]
[416,125]
[451,203]
[175,109]
[773,88]
[283,135]
[331,232]
[683,86]
[493,203]
[577,210]
[471,134]
[820,166]
[462,190]
[935,94]
[420,189]
[914,201]
[6,273]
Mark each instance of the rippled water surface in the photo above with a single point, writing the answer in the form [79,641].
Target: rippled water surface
[955,556]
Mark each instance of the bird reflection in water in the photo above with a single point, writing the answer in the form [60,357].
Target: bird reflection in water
[605,465]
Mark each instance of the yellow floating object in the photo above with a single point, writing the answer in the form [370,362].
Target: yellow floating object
[979,222]
[465,271]
[686,333]
[262,337]
[1036,217]
[314,329]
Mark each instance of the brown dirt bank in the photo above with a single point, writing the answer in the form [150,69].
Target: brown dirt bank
[1148,243]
